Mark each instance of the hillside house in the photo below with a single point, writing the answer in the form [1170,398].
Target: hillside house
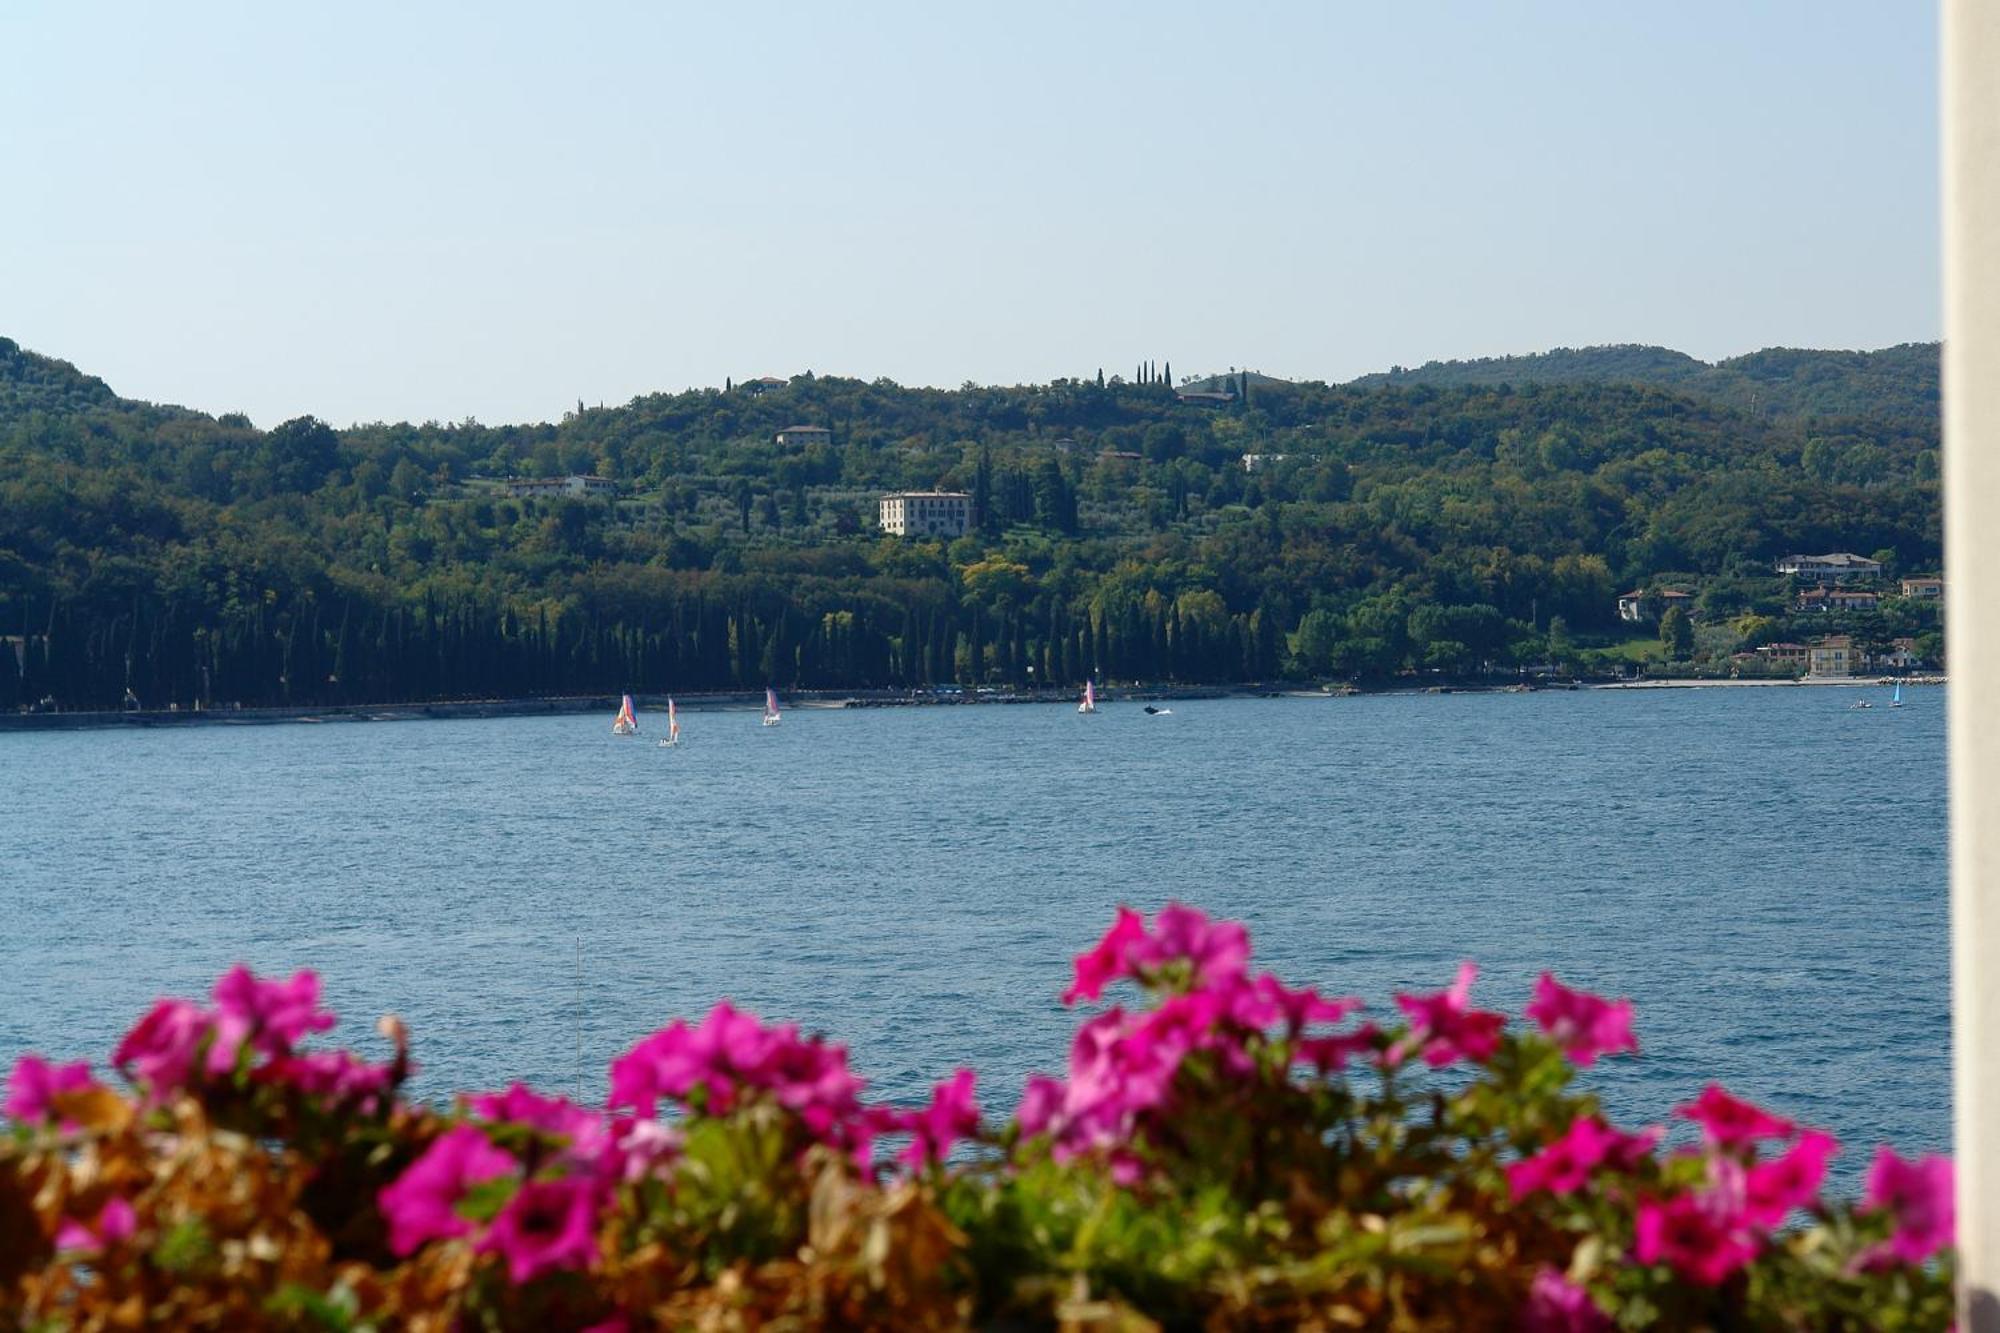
[1833,567]
[800,436]
[926,513]
[1838,599]
[573,487]
[1642,605]
[1923,590]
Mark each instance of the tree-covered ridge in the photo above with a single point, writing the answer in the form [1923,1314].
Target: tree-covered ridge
[1897,383]
[1376,529]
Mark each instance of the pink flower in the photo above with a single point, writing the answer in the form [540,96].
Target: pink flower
[1773,1189]
[271,1016]
[1330,1053]
[1700,1240]
[1584,1025]
[1443,1028]
[1219,951]
[1121,1066]
[116,1222]
[673,1062]
[1040,1101]
[1557,1305]
[1303,1007]
[339,1076]
[35,1084]
[422,1203]
[547,1225]
[732,1052]
[1919,1195]
[951,1116]
[1566,1164]
[522,1105]
[1729,1122]
[1110,960]
[159,1051]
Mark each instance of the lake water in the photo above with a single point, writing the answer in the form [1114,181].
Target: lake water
[1762,871]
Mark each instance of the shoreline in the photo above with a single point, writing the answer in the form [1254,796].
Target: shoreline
[946,697]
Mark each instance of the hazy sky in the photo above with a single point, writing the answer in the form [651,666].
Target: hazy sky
[428,211]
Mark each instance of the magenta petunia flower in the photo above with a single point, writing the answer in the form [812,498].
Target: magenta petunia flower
[1567,1164]
[1703,1242]
[1328,1054]
[422,1203]
[1584,1025]
[1300,1009]
[160,1049]
[952,1115]
[1919,1195]
[1041,1100]
[1772,1189]
[1109,960]
[35,1084]
[339,1076]
[547,1225]
[116,1222]
[1218,950]
[270,1016]
[732,1052]
[1444,1028]
[1557,1305]
[522,1105]
[1730,1122]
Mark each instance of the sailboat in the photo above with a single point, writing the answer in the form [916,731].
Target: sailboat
[1896,699]
[771,718]
[627,722]
[1089,704]
[673,725]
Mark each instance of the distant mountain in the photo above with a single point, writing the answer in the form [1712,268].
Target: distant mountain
[1896,383]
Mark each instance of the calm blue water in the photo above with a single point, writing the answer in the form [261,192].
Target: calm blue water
[1762,871]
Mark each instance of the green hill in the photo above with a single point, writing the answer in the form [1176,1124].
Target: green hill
[1365,530]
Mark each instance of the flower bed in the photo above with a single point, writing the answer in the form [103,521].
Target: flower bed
[1231,1152]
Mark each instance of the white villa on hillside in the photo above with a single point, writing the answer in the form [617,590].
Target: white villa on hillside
[927,513]
[1833,567]
[573,486]
[804,435]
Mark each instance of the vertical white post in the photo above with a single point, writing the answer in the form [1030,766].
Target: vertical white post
[1971,144]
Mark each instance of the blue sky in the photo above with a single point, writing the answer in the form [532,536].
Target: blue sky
[380,212]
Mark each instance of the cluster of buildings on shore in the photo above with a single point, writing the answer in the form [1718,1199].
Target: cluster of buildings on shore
[1833,656]
[1836,581]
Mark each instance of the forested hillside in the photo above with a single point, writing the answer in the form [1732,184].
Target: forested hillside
[1386,527]
[1899,383]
